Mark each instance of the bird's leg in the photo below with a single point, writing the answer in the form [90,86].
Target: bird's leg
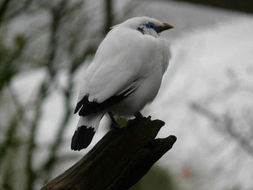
[114,125]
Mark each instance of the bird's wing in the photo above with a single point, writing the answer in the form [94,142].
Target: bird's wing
[116,70]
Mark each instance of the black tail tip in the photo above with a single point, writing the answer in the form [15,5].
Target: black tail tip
[82,137]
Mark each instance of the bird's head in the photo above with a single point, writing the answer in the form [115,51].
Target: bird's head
[146,25]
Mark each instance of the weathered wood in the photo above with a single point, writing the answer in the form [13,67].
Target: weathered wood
[121,158]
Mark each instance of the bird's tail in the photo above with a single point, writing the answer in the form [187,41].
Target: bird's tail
[86,128]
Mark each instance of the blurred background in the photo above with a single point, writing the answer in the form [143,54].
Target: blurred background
[206,98]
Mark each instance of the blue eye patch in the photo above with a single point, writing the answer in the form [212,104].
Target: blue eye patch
[150,25]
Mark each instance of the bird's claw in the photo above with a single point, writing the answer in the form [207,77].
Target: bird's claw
[139,116]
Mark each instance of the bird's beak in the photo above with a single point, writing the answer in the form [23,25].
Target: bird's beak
[164,27]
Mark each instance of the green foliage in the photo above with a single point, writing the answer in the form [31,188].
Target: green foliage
[156,178]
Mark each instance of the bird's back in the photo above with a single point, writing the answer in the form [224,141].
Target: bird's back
[123,56]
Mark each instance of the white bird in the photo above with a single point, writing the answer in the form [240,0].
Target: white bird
[125,75]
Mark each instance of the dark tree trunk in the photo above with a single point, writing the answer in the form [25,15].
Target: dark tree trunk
[120,159]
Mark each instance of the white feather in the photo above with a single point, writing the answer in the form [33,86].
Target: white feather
[90,121]
[120,61]
[127,60]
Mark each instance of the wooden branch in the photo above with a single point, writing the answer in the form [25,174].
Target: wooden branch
[120,159]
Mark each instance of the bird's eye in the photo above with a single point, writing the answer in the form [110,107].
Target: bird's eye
[150,25]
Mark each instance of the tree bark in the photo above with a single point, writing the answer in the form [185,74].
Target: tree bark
[120,159]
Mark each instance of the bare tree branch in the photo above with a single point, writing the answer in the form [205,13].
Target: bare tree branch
[227,124]
[117,161]
[3,9]
[108,8]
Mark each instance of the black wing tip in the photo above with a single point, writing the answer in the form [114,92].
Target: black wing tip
[81,103]
[76,110]
[85,107]
[82,138]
